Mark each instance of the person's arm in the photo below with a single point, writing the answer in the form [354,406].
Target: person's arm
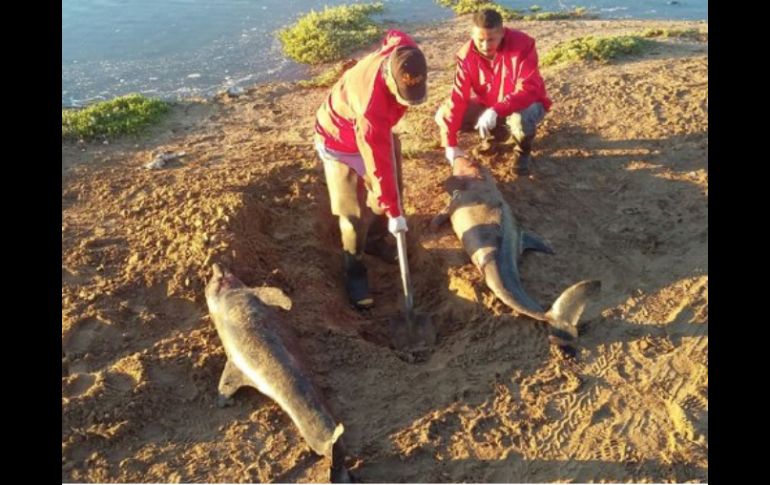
[375,143]
[529,84]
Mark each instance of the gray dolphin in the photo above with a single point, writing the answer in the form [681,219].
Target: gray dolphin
[259,355]
[494,240]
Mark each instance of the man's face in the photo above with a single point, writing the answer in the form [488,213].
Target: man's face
[487,40]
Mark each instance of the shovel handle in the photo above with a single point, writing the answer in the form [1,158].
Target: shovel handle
[405,279]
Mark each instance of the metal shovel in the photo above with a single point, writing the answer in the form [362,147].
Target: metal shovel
[416,330]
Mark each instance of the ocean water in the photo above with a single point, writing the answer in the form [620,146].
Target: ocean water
[173,49]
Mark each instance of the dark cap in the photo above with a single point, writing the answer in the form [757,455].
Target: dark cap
[410,73]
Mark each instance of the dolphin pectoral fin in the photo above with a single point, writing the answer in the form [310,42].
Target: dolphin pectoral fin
[444,216]
[272,296]
[535,243]
[232,379]
[439,221]
[455,183]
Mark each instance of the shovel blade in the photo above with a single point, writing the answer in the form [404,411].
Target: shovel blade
[414,331]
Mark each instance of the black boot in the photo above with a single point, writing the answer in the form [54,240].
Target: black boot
[383,249]
[380,243]
[522,156]
[357,283]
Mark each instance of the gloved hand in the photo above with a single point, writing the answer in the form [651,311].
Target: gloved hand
[397,224]
[451,153]
[487,122]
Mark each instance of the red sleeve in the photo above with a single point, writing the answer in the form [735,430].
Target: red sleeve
[375,142]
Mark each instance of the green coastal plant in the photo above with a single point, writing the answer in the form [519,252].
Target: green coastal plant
[594,48]
[331,34]
[122,115]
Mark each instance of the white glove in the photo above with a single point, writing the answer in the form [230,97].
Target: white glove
[451,153]
[487,122]
[397,224]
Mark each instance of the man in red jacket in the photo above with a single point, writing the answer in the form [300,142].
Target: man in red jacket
[362,157]
[497,84]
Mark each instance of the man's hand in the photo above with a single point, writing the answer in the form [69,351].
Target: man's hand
[487,122]
[451,153]
[397,224]
[463,167]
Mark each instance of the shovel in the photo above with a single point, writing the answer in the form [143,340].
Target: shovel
[416,331]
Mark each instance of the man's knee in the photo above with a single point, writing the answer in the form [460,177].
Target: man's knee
[348,224]
[342,185]
[532,117]
[525,122]
[472,113]
[352,233]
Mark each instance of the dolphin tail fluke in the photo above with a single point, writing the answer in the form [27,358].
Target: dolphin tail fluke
[567,309]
